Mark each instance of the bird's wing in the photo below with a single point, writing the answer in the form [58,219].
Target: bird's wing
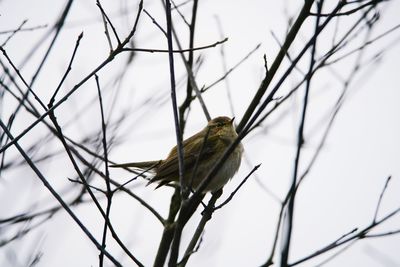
[169,170]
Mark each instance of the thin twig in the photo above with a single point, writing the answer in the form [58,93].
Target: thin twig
[322,63]
[300,141]
[155,22]
[175,7]
[109,193]
[93,197]
[22,78]
[134,178]
[246,126]
[380,198]
[275,65]
[354,10]
[151,50]
[120,187]
[104,14]
[237,188]
[191,83]
[20,29]
[58,26]
[393,232]
[57,196]
[206,216]
[182,4]
[51,102]
[188,68]
[365,44]
[360,234]
[78,85]
[14,32]
[337,253]
[91,186]
[107,34]
[223,77]
[286,53]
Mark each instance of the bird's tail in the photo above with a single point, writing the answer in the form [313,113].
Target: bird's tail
[141,165]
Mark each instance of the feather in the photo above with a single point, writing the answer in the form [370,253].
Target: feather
[168,169]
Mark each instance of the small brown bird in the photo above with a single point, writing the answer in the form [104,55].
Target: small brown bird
[218,135]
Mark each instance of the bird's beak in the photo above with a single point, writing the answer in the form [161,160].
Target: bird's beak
[231,122]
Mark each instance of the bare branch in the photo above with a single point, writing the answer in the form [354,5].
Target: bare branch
[380,198]
[104,15]
[57,196]
[237,188]
[151,50]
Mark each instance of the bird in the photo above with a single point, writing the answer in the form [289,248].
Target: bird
[201,152]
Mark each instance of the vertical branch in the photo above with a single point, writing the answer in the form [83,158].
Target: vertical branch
[109,193]
[300,142]
[184,190]
[173,98]
[169,229]
[191,76]
[188,207]
[186,103]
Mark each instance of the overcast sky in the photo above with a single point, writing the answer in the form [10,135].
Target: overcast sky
[340,193]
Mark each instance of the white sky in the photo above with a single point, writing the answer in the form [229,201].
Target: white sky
[339,194]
